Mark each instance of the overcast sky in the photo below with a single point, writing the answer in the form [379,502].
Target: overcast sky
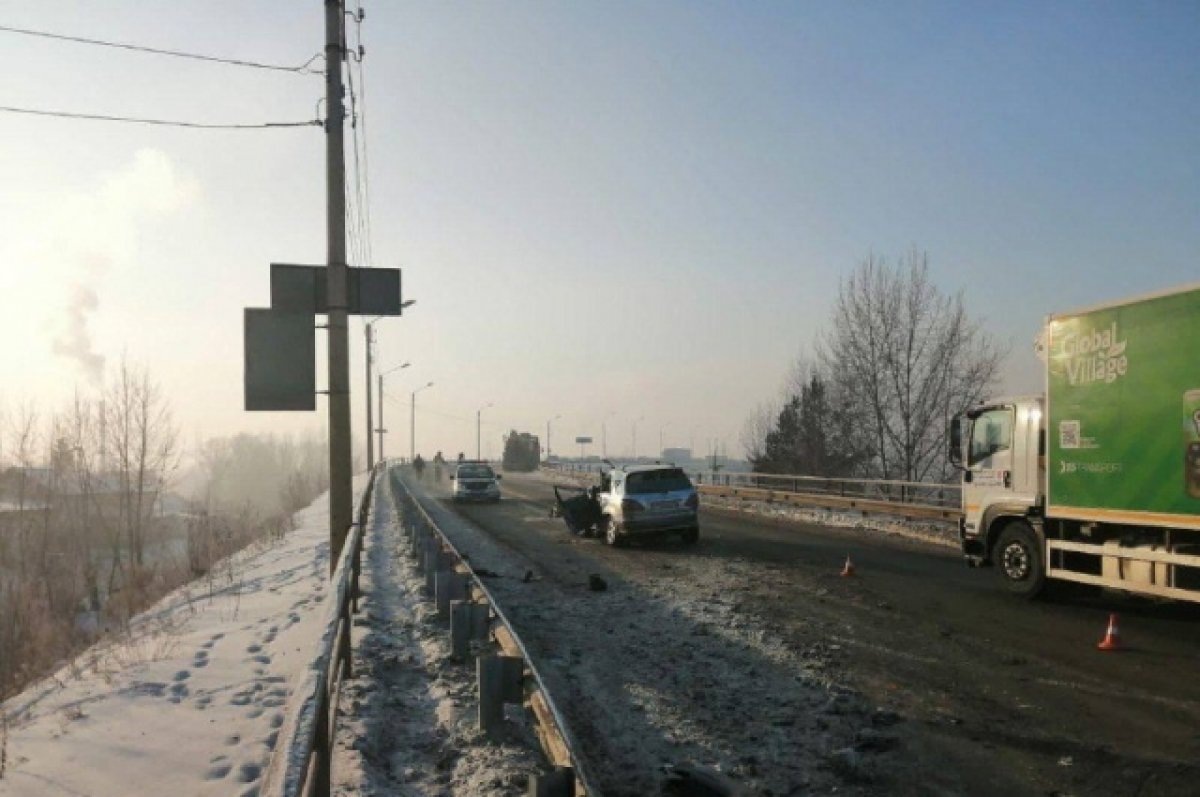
[604,210]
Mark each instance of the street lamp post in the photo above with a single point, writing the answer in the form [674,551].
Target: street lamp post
[478,424]
[555,418]
[369,329]
[635,423]
[412,422]
[604,434]
[380,430]
[661,447]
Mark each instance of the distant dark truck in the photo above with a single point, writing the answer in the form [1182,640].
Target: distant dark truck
[633,501]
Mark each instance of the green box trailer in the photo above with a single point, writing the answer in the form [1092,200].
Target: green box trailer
[1098,480]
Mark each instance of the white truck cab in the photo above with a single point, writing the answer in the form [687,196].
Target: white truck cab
[1000,447]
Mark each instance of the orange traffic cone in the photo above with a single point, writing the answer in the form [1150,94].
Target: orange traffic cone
[1112,639]
[848,570]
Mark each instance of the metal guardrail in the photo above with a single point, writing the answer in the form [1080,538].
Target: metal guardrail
[301,763]
[443,564]
[918,500]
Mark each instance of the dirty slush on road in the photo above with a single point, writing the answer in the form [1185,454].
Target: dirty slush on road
[660,668]
[752,655]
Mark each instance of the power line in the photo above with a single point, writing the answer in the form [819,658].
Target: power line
[160,122]
[302,69]
[366,167]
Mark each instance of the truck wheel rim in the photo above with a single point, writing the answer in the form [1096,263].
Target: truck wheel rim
[1016,562]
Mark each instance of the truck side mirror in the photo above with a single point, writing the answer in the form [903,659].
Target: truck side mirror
[955,451]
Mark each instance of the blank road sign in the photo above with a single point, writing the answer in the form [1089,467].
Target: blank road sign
[372,291]
[280,364]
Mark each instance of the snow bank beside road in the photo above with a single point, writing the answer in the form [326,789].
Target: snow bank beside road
[189,702]
[409,717]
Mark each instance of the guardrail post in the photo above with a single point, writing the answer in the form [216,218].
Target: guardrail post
[558,783]
[435,559]
[468,623]
[344,632]
[356,570]
[429,561]
[321,754]
[499,683]
[449,585]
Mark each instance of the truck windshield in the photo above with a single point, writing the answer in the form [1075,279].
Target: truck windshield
[992,432]
[657,481]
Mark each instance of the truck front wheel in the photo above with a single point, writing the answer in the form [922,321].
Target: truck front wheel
[1018,558]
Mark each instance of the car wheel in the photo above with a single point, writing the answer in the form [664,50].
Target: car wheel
[691,536]
[1018,559]
[612,533]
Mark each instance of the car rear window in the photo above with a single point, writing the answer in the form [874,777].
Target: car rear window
[474,472]
[657,481]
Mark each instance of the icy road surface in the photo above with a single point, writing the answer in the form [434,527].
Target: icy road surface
[919,676]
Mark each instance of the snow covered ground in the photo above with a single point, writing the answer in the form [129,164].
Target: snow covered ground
[190,700]
[409,716]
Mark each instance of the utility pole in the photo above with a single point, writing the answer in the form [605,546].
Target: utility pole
[380,429]
[478,424]
[371,437]
[412,422]
[337,276]
[555,418]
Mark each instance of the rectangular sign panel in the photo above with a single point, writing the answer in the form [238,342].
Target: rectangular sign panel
[1123,433]
[582,440]
[372,291]
[280,360]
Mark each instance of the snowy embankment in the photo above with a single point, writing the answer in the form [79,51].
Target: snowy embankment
[190,700]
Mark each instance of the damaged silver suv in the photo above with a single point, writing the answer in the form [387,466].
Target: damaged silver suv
[635,501]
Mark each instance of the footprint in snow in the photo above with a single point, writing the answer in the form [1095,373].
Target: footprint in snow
[183,675]
[261,658]
[218,771]
[148,688]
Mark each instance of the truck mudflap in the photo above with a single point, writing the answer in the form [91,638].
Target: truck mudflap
[577,507]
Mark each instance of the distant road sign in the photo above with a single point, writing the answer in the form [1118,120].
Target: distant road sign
[582,440]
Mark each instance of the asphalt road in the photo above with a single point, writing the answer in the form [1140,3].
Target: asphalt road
[998,695]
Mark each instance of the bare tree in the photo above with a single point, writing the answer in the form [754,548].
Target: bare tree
[143,442]
[755,431]
[906,358]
